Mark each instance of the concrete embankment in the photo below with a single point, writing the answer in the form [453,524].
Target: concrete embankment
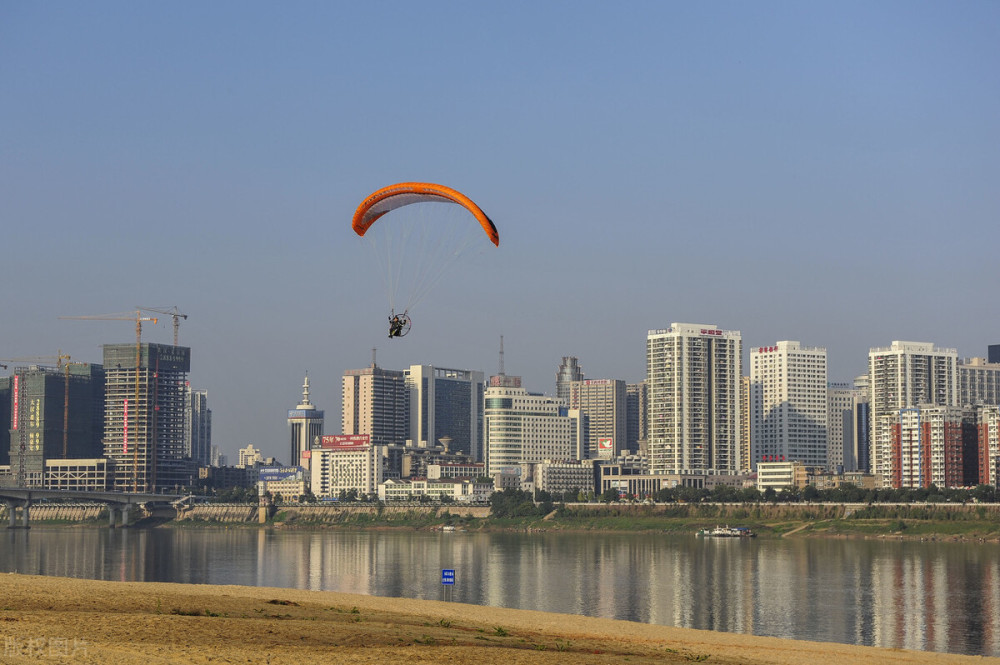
[61,512]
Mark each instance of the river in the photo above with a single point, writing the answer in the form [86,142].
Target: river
[930,596]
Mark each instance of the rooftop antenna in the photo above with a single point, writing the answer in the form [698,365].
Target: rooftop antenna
[373,357]
[501,356]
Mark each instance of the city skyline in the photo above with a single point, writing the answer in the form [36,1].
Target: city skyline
[821,174]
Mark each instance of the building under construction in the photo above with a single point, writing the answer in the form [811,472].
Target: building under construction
[54,413]
[144,416]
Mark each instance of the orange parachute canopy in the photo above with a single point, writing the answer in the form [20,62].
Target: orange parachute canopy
[404,193]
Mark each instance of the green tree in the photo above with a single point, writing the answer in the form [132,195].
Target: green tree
[725,494]
[610,495]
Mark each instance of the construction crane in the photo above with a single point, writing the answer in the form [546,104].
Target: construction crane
[139,320]
[173,312]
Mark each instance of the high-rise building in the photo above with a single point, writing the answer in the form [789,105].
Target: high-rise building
[305,423]
[55,413]
[602,403]
[144,417]
[988,445]
[198,426]
[927,446]
[789,404]
[522,427]
[376,402]
[693,372]
[979,382]
[636,419]
[906,375]
[4,420]
[446,404]
[860,457]
[841,401]
[746,412]
[568,372]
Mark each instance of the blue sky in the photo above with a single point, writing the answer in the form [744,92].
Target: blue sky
[822,173]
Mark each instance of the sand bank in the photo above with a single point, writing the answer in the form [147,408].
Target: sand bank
[62,620]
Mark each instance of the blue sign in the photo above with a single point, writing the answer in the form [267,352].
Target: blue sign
[274,473]
[448,576]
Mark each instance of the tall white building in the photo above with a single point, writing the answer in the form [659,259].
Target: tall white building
[906,375]
[789,404]
[376,402]
[446,403]
[305,423]
[693,375]
[521,427]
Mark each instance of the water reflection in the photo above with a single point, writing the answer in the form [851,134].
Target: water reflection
[926,596]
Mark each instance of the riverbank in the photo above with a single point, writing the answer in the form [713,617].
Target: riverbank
[950,522]
[935,522]
[62,620]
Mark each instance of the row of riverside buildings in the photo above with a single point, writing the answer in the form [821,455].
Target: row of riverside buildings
[920,416]
[131,424]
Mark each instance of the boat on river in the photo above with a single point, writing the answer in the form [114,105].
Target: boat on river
[728,532]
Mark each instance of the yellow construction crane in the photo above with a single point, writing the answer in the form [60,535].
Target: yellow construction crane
[139,320]
[174,312]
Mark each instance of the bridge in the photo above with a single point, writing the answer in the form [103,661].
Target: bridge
[118,503]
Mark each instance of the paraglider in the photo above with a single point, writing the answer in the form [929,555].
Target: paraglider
[408,193]
[415,245]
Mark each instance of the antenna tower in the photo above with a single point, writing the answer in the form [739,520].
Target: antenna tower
[501,355]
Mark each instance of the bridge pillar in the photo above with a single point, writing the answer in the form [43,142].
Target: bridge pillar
[24,514]
[125,511]
[11,514]
[111,515]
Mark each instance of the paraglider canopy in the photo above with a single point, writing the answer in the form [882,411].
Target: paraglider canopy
[420,240]
[406,193]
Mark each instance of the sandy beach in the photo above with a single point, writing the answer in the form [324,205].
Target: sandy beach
[62,620]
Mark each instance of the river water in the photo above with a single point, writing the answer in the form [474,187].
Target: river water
[929,596]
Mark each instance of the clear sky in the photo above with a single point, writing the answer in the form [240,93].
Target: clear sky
[828,173]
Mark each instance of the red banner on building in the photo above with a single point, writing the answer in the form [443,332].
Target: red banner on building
[17,402]
[345,441]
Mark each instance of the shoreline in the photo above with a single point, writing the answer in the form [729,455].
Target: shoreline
[90,621]
[908,522]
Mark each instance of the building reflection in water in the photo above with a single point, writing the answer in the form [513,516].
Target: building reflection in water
[912,595]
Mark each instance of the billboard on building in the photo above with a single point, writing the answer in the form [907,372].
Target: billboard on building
[345,441]
[270,474]
[606,446]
